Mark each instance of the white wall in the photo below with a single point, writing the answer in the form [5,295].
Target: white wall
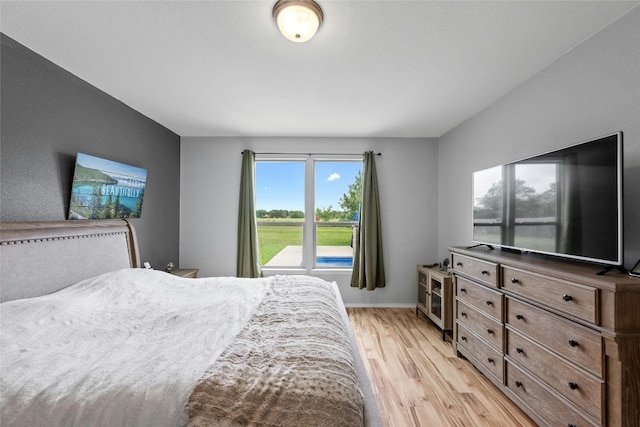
[407,176]
[591,91]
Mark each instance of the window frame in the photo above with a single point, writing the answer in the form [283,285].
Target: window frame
[309,228]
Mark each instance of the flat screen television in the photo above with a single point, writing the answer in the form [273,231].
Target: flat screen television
[104,189]
[567,203]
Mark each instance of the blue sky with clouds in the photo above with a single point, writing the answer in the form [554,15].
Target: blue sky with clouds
[280,185]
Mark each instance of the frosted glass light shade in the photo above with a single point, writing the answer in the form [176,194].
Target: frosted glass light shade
[298,20]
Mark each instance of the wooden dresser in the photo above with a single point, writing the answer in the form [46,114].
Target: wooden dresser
[560,340]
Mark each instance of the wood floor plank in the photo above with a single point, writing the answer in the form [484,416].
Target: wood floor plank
[418,380]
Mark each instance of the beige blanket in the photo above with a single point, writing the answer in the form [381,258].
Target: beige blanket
[290,366]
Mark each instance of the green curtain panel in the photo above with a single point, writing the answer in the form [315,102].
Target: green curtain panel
[248,262]
[368,259]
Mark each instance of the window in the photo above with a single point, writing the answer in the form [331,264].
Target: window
[280,214]
[307,211]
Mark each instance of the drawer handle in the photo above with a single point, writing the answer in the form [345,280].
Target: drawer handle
[458,264]
[485,272]
[519,317]
[463,338]
[489,302]
[490,360]
[567,297]
[519,350]
[463,314]
[490,331]
[514,280]
[573,386]
[519,384]
[574,343]
[463,290]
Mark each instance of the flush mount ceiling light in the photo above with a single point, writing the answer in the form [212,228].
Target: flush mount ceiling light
[298,20]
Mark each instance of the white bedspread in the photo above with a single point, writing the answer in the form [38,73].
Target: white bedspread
[62,345]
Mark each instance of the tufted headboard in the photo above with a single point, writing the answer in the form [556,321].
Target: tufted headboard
[38,258]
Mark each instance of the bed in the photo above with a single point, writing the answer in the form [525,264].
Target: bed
[88,338]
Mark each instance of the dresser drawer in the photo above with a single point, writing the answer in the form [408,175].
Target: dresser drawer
[482,271]
[584,390]
[485,327]
[482,298]
[577,343]
[571,298]
[483,352]
[544,402]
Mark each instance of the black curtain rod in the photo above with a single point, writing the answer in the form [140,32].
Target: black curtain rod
[317,154]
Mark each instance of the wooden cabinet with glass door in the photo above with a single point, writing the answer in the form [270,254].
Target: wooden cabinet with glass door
[435,297]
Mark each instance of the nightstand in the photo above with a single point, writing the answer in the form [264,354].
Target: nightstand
[187,273]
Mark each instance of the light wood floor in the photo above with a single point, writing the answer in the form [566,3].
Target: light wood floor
[418,380]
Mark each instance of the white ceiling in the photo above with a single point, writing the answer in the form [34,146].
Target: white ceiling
[375,68]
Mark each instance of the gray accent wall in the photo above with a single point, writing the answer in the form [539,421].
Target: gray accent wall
[591,91]
[49,115]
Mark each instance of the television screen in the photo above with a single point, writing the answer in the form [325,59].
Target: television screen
[567,202]
[103,189]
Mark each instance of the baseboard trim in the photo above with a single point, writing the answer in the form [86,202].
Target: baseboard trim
[383,305]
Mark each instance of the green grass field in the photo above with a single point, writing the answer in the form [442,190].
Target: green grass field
[274,238]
